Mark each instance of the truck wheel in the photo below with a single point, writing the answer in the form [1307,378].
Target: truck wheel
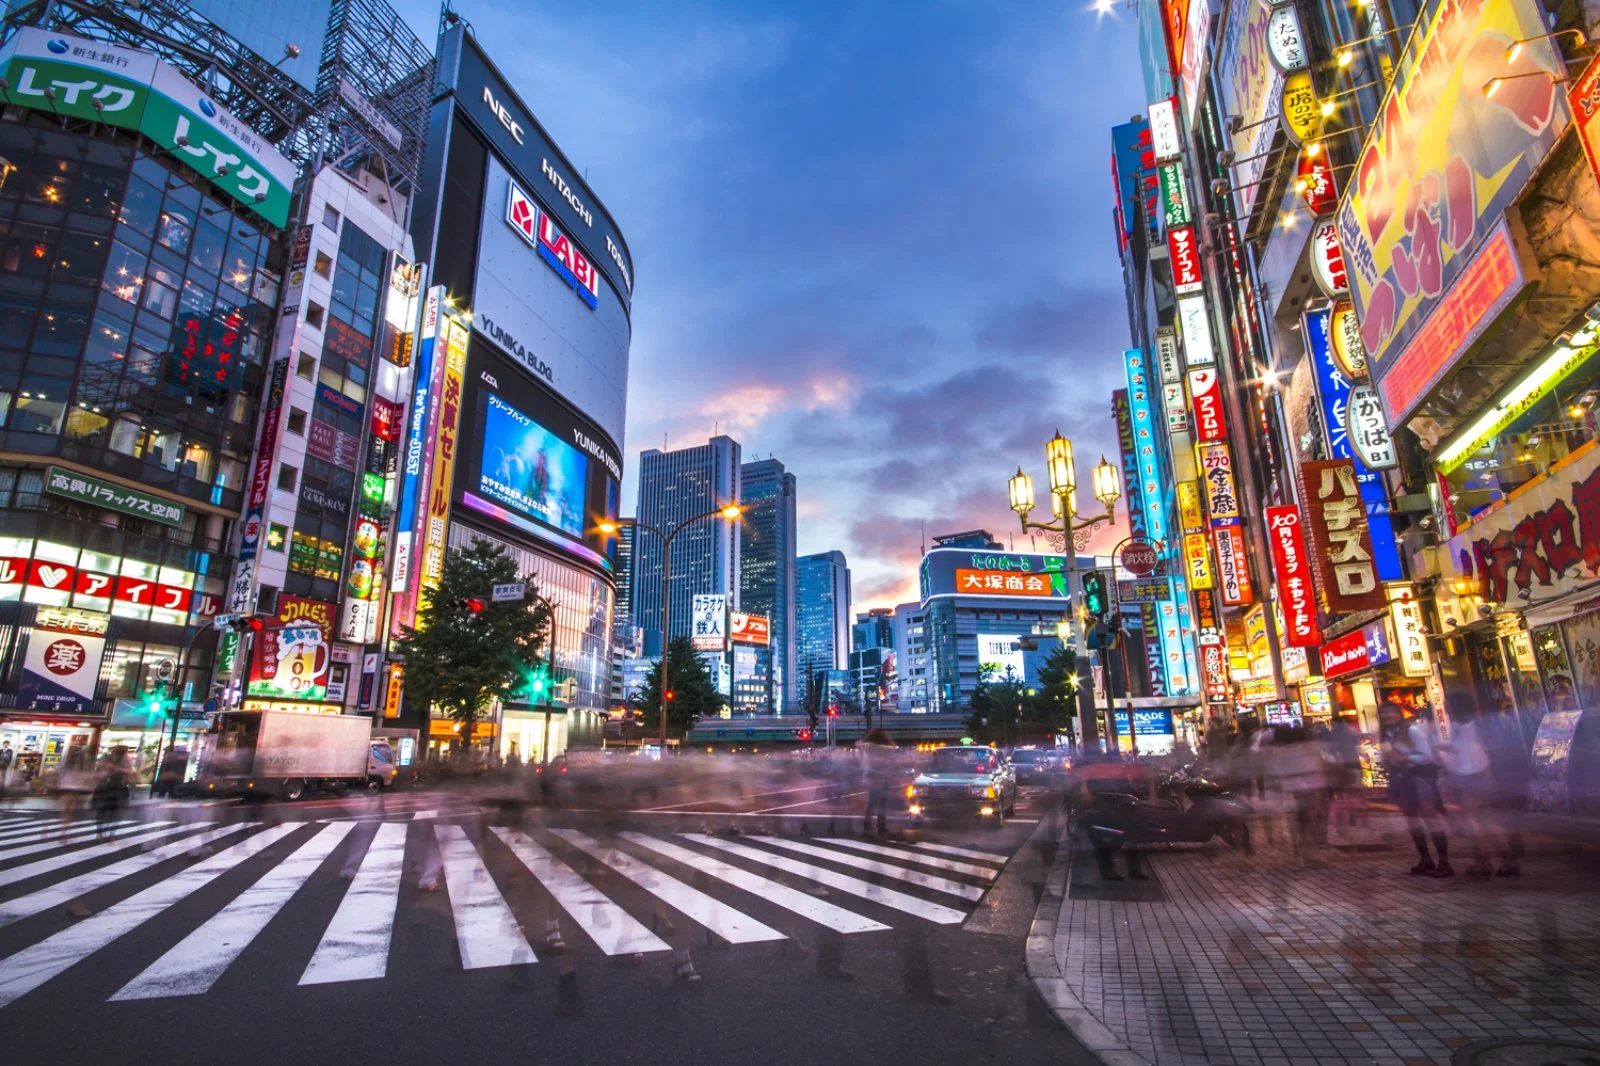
[374,785]
[294,789]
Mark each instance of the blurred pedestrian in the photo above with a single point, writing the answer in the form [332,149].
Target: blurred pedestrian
[1301,774]
[1342,746]
[1471,783]
[7,757]
[1409,760]
[1501,733]
[74,782]
[877,753]
[110,788]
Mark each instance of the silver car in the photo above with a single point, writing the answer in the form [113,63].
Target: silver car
[960,781]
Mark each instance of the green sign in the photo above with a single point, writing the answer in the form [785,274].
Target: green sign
[87,489]
[78,78]
[1174,198]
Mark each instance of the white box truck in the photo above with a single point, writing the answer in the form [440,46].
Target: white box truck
[288,753]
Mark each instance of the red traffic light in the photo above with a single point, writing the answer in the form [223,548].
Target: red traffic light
[804,734]
[833,712]
[255,624]
[475,605]
[671,695]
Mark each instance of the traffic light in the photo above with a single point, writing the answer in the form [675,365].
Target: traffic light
[474,604]
[804,734]
[671,695]
[239,623]
[538,681]
[1096,593]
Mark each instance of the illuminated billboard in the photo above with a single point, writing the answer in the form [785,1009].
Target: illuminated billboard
[966,572]
[1002,653]
[530,462]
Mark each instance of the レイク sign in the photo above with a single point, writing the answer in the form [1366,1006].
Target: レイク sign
[1295,590]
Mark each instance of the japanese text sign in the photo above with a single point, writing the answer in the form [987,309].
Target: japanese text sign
[1292,565]
[1339,532]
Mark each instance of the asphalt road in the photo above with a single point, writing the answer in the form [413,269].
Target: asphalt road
[414,930]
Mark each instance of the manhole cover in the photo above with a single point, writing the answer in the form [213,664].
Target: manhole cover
[1528,1053]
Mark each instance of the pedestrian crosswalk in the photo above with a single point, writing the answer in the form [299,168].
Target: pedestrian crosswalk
[509,894]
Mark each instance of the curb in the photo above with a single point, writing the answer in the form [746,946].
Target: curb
[1045,974]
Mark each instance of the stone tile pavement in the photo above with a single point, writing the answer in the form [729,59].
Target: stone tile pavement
[1340,958]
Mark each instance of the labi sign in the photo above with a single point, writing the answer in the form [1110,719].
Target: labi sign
[77,78]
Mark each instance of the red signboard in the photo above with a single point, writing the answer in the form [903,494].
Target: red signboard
[386,419]
[1327,259]
[1319,191]
[1296,593]
[1585,100]
[1340,538]
[1185,252]
[749,628]
[1233,569]
[1484,289]
[1214,663]
[1205,386]
[1345,655]
[1139,557]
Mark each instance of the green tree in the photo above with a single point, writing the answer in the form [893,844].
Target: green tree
[694,691]
[998,701]
[461,660]
[1056,704]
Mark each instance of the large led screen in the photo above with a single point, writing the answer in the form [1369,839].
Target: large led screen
[532,463]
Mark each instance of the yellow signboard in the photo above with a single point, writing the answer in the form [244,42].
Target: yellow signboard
[1189,513]
[1197,560]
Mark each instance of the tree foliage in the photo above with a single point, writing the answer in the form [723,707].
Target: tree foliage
[461,660]
[1057,701]
[694,691]
[1009,706]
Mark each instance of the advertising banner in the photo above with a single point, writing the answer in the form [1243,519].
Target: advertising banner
[87,489]
[1344,331]
[1315,183]
[1458,136]
[1410,632]
[1152,479]
[1197,560]
[1164,140]
[432,535]
[1222,495]
[1296,592]
[1205,388]
[1155,660]
[291,662]
[1339,537]
[1194,57]
[1004,583]
[62,664]
[1252,88]
[1233,569]
[1194,322]
[1369,429]
[749,628]
[1131,480]
[1327,259]
[1176,401]
[1138,187]
[1184,249]
[1189,513]
[708,623]
[1214,664]
[417,440]
[1584,99]
[72,77]
[1333,394]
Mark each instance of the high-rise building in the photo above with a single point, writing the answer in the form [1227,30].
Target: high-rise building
[767,566]
[911,657]
[873,629]
[822,617]
[626,641]
[674,488]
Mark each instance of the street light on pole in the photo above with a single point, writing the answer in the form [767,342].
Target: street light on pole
[730,512]
[1061,468]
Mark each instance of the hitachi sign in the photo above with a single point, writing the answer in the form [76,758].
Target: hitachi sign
[502,113]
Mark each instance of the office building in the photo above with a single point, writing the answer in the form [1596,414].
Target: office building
[767,567]
[911,658]
[675,488]
[873,629]
[822,618]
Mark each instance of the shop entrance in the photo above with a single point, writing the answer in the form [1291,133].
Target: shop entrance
[41,746]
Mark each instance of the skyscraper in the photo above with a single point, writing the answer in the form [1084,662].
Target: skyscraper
[674,488]
[873,629]
[767,566]
[911,657]
[822,616]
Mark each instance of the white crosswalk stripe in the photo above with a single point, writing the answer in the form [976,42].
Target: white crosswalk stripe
[13,874]
[888,897]
[35,902]
[806,906]
[614,930]
[486,931]
[355,946]
[728,923]
[969,853]
[72,839]
[194,965]
[52,829]
[970,869]
[33,966]
[872,866]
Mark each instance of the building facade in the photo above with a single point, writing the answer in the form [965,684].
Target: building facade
[822,619]
[767,567]
[911,658]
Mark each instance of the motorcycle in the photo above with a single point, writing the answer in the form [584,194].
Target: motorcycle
[1190,809]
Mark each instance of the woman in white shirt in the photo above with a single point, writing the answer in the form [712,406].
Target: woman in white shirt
[1466,760]
[1408,758]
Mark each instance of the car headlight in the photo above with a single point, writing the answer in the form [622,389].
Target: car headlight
[911,792]
[989,792]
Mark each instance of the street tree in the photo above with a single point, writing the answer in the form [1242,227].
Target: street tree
[466,650]
[694,692]
[1057,700]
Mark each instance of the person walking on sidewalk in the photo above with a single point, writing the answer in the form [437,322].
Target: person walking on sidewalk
[1471,783]
[1409,760]
[1503,739]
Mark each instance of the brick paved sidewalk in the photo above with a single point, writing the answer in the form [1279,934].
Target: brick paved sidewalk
[1345,958]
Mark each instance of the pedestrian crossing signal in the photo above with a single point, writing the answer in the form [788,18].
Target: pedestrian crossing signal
[1096,599]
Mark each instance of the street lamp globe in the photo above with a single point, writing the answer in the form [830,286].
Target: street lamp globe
[608,528]
[1106,488]
[732,511]
[1021,493]
[1058,461]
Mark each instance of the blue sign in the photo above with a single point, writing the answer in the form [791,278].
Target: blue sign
[1376,636]
[1138,181]
[1152,723]
[1333,390]
[1154,486]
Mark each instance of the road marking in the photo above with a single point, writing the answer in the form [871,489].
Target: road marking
[807,803]
[614,930]
[36,964]
[774,892]
[28,836]
[73,839]
[970,853]
[888,897]
[703,800]
[921,880]
[486,931]
[1024,821]
[731,925]
[355,946]
[14,910]
[970,869]
[193,965]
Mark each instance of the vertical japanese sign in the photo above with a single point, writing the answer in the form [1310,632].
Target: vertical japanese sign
[416,440]
[62,664]
[1296,592]
[1339,534]
[260,486]
[1130,464]
[1410,633]
[1152,481]
[1233,571]
[1205,390]
[1155,661]
[1584,99]
[1184,248]
[444,461]
[1222,494]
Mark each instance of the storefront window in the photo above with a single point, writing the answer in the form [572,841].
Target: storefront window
[1555,669]
[1545,417]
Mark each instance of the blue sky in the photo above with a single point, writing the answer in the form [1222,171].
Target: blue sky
[873,240]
